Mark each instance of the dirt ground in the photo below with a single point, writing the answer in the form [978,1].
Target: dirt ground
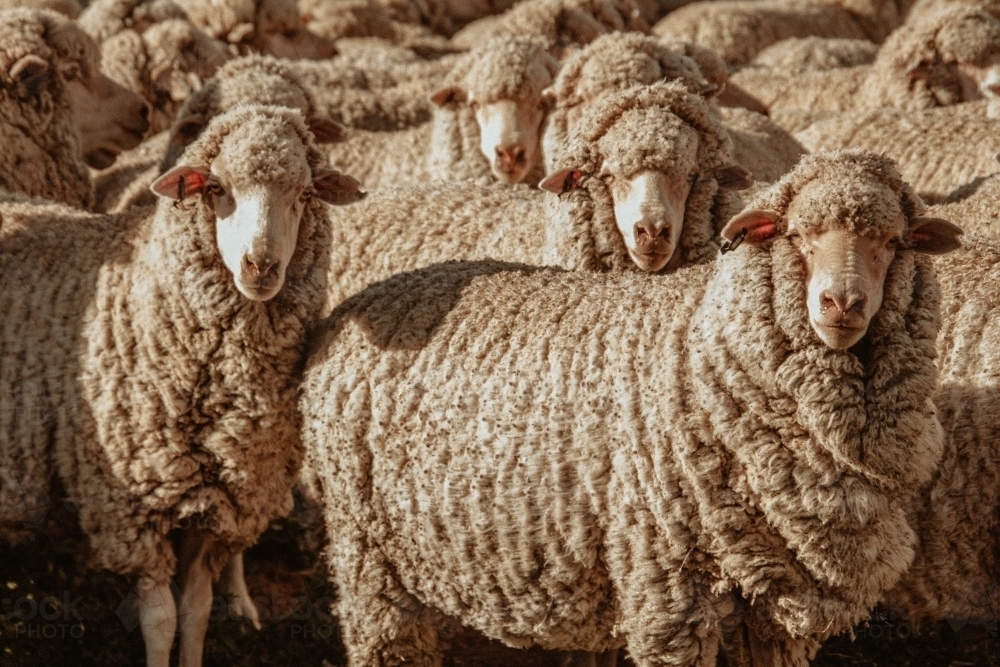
[54,611]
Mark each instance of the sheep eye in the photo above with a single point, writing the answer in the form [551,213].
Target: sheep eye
[214,189]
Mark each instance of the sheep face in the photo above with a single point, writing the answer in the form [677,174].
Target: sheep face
[981,80]
[510,135]
[844,266]
[108,117]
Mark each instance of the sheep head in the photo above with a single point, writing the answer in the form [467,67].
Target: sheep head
[504,84]
[256,169]
[847,230]
[650,145]
[59,65]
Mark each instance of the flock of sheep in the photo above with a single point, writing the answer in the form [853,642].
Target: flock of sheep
[588,324]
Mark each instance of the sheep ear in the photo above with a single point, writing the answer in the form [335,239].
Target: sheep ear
[179,183]
[562,181]
[326,131]
[733,177]
[754,226]
[31,73]
[449,96]
[189,130]
[935,236]
[336,188]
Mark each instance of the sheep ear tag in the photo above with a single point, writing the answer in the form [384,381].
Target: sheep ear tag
[562,181]
[336,188]
[179,182]
[31,72]
[935,236]
[753,227]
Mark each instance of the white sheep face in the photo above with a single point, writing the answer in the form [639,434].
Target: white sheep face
[509,136]
[844,271]
[109,118]
[649,211]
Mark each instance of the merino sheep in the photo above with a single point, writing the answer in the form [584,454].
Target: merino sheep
[586,462]
[645,185]
[561,24]
[619,60]
[949,57]
[247,80]
[58,113]
[738,30]
[163,65]
[937,151]
[486,125]
[150,358]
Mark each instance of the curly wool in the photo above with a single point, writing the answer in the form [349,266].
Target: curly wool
[105,18]
[41,155]
[936,150]
[630,129]
[167,397]
[973,207]
[601,502]
[914,69]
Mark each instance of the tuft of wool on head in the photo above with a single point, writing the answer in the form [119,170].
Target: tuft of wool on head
[506,68]
[860,190]
[105,18]
[621,60]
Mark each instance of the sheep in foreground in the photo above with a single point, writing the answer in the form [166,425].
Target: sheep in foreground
[486,126]
[247,80]
[158,380]
[937,150]
[620,60]
[738,30]
[617,457]
[58,113]
[561,24]
[645,186]
[163,65]
[949,57]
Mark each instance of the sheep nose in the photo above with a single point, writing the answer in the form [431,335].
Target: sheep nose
[259,267]
[144,112]
[844,303]
[510,157]
[646,232]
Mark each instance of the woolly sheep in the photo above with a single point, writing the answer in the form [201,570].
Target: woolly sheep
[561,24]
[158,381]
[950,57]
[937,151]
[106,18]
[620,60]
[163,65]
[514,448]
[486,124]
[58,113]
[247,80]
[738,30]
[974,206]
[645,186]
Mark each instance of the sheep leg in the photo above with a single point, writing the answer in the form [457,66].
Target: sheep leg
[196,597]
[158,620]
[234,586]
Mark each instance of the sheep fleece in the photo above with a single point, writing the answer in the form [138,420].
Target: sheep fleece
[514,448]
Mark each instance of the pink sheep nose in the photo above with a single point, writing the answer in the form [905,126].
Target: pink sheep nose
[844,303]
[509,158]
[646,232]
[258,268]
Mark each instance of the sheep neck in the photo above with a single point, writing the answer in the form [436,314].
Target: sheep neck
[811,454]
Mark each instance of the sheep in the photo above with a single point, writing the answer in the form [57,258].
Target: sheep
[166,63]
[974,206]
[738,30]
[247,80]
[937,151]
[802,54]
[589,461]
[646,186]
[58,113]
[158,381]
[620,60]
[949,57]
[486,124]
[562,24]
[106,18]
